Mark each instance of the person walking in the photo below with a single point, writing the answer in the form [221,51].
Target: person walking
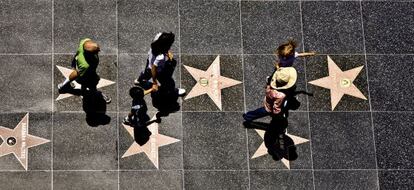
[84,65]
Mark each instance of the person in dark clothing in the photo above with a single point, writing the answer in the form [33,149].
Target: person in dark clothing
[138,116]
[159,70]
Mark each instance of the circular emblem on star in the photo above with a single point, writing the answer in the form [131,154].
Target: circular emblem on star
[345,83]
[203,81]
[11,141]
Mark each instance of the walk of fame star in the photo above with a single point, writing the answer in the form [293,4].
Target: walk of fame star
[66,72]
[339,82]
[18,141]
[151,147]
[262,150]
[210,82]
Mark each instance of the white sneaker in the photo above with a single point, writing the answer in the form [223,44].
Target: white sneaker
[136,82]
[181,91]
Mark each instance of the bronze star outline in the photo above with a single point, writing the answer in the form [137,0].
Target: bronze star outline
[18,141]
[262,150]
[210,82]
[66,72]
[151,147]
[339,82]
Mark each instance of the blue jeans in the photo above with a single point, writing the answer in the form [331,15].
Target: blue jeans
[256,114]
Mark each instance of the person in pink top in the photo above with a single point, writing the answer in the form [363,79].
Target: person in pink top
[278,94]
[274,103]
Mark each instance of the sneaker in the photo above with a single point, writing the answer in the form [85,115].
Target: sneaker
[106,98]
[181,92]
[64,88]
[136,82]
[126,121]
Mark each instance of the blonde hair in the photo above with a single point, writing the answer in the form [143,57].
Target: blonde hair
[91,46]
[287,49]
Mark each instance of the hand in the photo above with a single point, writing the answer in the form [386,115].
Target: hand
[170,55]
[155,87]
[312,53]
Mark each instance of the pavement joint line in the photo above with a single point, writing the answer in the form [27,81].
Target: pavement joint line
[369,93]
[244,93]
[307,97]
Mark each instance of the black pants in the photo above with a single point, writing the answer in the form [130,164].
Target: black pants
[277,127]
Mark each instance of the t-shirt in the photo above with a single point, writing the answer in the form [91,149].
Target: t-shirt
[139,109]
[156,60]
[288,61]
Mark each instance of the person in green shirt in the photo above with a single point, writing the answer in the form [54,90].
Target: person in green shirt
[84,66]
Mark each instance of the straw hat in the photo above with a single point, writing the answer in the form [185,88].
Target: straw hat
[285,77]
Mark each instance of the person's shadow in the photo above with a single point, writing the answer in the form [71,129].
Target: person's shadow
[278,144]
[142,133]
[94,106]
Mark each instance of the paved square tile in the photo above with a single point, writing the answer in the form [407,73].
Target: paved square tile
[75,20]
[25,26]
[264,29]
[390,81]
[139,21]
[346,179]
[26,180]
[256,69]
[317,67]
[216,180]
[210,27]
[168,180]
[78,146]
[26,83]
[107,70]
[388,31]
[214,141]
[396,179]
[170,156]
[84,180]
[394,140]
[276,179]
[332,27]
[230,67]
[342,140]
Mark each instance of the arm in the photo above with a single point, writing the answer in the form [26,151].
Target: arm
[154,77]
[148,91]
[306,54]
[73,75]
[170,55]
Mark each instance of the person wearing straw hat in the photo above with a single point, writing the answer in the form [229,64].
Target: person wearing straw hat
[277,90]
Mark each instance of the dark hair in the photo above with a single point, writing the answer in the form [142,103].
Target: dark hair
[136,93]
[163,43]
[286,49]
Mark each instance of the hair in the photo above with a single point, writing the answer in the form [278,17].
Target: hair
[163,43]
[287,49]
[136,93]
[91,47]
